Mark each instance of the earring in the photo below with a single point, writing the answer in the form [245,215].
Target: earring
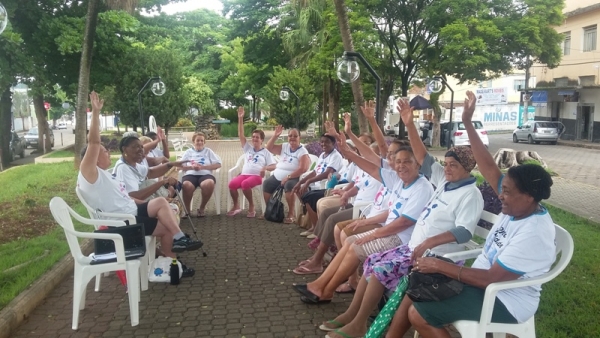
[125,155]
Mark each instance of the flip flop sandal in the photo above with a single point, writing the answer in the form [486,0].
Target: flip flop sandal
[314,301]
[340,333]
[303,270]
[234,212]
[304,262]
[251,214]
[311,236]
[326,328]
[347,288]
[305,233]
[201,213]
[289,220]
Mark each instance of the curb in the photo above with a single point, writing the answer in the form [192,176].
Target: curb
[19,309]
[579,145]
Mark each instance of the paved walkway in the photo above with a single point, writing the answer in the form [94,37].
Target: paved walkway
[242,289]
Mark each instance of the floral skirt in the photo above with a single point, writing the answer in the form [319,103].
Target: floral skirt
[389,266]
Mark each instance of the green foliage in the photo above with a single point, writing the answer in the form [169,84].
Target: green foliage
[184,122]
[199,95]
[229,130]
[271,122]
[285,111]
[231,114]
[249,127]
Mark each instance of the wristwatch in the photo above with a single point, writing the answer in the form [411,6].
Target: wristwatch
[289,177]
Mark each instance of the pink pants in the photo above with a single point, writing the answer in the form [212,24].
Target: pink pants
[245,182]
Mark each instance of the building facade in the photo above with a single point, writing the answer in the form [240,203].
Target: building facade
[570,92]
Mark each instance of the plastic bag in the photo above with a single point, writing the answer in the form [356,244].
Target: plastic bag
[159,271]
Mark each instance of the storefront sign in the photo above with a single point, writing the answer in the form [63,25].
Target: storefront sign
[488,96]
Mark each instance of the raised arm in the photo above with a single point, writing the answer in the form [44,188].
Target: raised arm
[152,144]
[165,144]
[369,167]
[369,111]
[406,112]
[88,166]
[486,164]
[271,146]
[241,125]
[364,149]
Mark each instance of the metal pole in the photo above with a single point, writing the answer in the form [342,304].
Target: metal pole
[451,110]
[374,74]
[140,102]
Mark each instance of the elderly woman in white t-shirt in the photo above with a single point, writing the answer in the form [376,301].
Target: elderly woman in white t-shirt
[198,173]
[258,161]
[294,161]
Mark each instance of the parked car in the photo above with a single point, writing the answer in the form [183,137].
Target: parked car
[538,131]
[61,125]
[17,146]
[459,134]
[31,138]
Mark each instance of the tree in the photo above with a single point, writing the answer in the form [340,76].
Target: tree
[200,95]
[285,111]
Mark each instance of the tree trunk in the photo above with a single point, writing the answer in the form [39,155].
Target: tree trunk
[84,79]
[5,126]
[359,99]
[437,114]
[325,105]
[44,141]
[334,102]
[507,158]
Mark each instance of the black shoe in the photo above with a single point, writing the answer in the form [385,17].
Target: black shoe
[186,244]
[187,272]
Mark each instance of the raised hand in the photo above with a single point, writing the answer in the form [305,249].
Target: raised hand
[97,103]
[278,131]
[161,133]
[368,109]
[330,128]
[406,111]
[241,113]
[347,123]
[469,107]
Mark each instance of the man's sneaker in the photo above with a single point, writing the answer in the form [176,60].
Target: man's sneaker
[187,272]
[186,244]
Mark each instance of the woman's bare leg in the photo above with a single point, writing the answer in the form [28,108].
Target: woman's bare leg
[188,192]
[400,323]
[207,188]
[291,201]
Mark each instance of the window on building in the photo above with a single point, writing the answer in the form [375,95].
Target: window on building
[589,80]
[519,85]
[567,43]
[561,81]
[589,38]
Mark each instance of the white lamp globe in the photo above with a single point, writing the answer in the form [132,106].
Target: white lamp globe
[3,18]
[348,70]
[284,95]
[159,88]
[435,86]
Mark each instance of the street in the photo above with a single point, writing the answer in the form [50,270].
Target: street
[62,138]
[577,164]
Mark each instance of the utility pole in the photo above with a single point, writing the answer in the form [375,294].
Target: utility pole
[526,97]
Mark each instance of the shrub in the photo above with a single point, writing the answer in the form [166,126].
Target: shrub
[491,202]
[249,127]
[229,130]
[314,148]
[271,122]
[184,122]
[111,145]
[231,114]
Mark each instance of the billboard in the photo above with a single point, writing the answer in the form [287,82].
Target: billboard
[489,96]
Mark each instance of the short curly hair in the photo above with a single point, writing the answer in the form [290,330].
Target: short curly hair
[532,179]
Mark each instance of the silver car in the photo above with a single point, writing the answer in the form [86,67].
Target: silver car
[32,137]
[538,131]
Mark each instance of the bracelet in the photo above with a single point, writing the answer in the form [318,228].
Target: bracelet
[459,271]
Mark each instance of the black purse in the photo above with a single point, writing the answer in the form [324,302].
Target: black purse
[432,287]
[275,212]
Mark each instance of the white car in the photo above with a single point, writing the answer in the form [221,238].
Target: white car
[459,134]
[61,125]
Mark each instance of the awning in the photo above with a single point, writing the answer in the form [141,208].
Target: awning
[566,92]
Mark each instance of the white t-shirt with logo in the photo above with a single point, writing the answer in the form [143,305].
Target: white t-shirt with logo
[447,209]
[203,157]
[107,194]
[156,152]
[406,200]
[131,176]
[289,161]
[367,186]
[255,160]
[332,160]
[525,247]
[380,204]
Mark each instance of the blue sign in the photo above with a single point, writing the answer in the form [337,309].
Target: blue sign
[530,114]
[539,97]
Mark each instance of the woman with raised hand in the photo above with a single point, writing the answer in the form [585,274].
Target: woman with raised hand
[519,246]
[294,161]
[449,219]
[102,191]
[257,161]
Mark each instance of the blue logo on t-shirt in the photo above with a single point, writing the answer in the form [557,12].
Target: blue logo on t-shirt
[202,161]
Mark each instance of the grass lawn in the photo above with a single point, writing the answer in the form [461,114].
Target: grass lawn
[33,242]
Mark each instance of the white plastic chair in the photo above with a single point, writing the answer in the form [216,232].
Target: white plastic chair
[216,192]
[311,167]
[257,191]
[150,240]
[473,329]
[84,271]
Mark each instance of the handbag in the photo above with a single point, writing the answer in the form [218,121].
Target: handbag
[432,287]
[275,212]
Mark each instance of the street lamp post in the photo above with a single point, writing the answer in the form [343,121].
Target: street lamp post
[284,94]
[435,86]
[158,89]
[3,18]
[348,71]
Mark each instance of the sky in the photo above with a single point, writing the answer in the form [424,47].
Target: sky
[191,5]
